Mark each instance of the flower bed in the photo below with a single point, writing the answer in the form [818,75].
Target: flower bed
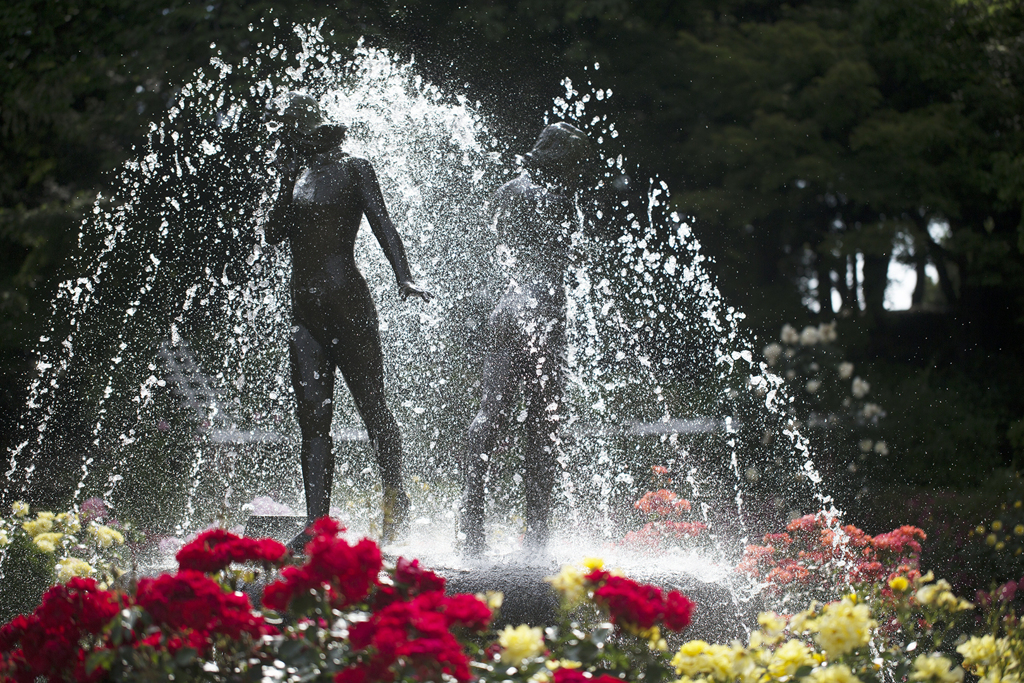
[343,614]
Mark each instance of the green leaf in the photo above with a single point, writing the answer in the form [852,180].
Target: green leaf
[290,649]
[185,657]
[657,672]
[601,634]
[101,659]
[801,672]
[586,652]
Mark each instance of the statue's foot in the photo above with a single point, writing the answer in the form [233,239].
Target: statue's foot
[472,540]
[396,515]
[473,546]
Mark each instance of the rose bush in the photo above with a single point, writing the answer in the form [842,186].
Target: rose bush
[39,548]
[816,556]
[344,614]
[664,517]
[339,614]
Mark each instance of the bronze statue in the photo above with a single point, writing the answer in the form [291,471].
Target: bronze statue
[526,330]
[323,197]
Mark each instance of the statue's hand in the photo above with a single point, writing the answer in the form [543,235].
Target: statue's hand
[287,164]
[409,288]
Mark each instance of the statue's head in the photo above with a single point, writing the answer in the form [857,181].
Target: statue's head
[562,151]
[303,125]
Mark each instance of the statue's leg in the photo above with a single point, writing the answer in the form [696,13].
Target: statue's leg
[358,355]
[313,381]
[499,385]
[544,396]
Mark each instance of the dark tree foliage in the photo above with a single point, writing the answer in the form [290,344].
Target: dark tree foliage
[807,139]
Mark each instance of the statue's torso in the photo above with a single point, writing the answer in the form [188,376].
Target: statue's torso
[327,204]
[535,223]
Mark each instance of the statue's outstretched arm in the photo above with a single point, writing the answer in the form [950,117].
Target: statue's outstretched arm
[388,237]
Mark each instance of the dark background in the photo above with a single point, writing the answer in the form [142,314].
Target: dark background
[802,138]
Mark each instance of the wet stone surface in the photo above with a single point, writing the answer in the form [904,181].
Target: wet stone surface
[529,599]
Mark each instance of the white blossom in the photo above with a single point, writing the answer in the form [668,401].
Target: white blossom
[845,370]
[810,336]
[827,332]
[872,410]
[789,335]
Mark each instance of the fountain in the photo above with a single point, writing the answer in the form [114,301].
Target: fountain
[163,385]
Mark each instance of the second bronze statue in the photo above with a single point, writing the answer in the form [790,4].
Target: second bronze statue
[323,196]
[532,215]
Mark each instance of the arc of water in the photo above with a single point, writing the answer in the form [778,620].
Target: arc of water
[197,395]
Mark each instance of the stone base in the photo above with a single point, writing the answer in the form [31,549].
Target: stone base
[718,615]
[528,598]
[281,528]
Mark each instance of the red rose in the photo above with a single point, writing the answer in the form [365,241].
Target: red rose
[415,636]
[216,549]
[192,601]
[678,609]
[345,572]
[638,605]
[563,675]
[49,642]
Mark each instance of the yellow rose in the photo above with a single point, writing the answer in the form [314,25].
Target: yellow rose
[653,637]
[19,508]
[105,536]
[790,656]
[697,657]
[71,567]
[493,599]
[40,525]
[835,673]
[689,658]
[745,667]
[593,563]
[569,583]
[47,542]
[720,659]
[935,668]
[926,594]
[520,643]
[899,584]
[771,623]
[844,627]
[978,651]
[562,664]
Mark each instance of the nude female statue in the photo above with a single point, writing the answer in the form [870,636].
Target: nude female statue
[324,195]
[526,330]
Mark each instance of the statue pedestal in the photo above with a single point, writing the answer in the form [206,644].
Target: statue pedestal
[528,599]
[281,528]
[718,616]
